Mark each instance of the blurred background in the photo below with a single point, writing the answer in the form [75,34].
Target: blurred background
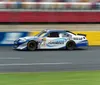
[18,14]
[36,15]
[21,18]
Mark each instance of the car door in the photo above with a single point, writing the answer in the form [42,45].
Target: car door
[53,40]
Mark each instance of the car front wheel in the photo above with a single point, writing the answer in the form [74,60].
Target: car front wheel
[32,45]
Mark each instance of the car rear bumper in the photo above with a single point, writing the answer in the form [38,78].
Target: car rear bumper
[82,44]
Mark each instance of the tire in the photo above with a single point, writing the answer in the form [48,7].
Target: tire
[70,45]
[32,45]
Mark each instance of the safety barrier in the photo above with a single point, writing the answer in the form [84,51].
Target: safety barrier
[49,12]
[7,38]
[49,16]
[92,36]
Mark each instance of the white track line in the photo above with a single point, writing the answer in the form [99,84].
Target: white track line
[34,64]
[9,58]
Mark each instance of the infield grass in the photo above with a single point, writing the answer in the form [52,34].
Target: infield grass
[51,78]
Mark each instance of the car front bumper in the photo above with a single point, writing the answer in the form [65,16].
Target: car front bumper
[20,46]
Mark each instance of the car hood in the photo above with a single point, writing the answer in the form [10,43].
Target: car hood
[30,37]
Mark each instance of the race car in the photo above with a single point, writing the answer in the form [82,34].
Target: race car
[52,39]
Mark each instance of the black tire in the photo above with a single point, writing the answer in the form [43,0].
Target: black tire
[70,45]
[32,45]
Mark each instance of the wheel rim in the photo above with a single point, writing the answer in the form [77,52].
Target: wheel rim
[31,45]
[71,46]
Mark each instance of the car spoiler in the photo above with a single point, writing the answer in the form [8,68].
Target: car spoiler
[82,34]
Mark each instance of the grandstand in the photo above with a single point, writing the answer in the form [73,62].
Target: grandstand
[48,0]
[49,11]
[53,5]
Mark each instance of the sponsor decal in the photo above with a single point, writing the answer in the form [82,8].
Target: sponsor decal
[43,44]
[77,38]
[44,39]
[56,42]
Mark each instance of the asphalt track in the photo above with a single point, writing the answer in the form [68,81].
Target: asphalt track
[49,60]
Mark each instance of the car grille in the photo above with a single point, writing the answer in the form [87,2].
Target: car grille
[16,43]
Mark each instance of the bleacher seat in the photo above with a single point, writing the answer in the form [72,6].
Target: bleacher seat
[49,0]
[20,4]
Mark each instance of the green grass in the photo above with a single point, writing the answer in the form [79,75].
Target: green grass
[51,78]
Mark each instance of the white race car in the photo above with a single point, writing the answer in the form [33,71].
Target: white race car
[52,39]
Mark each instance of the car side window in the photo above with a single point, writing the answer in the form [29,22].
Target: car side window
[53,34]
[63,34]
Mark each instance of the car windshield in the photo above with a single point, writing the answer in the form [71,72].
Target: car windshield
[41,34]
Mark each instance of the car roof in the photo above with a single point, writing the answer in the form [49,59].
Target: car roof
[55,30]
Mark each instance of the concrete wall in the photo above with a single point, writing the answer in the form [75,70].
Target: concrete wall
[73,27]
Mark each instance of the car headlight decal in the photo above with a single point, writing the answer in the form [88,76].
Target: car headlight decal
[22,40]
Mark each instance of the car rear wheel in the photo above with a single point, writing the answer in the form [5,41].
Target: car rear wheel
[71,45]
[32,45]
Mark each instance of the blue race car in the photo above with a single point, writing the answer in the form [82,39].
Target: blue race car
[52,39]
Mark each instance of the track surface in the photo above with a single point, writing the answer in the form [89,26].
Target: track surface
[49,60]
